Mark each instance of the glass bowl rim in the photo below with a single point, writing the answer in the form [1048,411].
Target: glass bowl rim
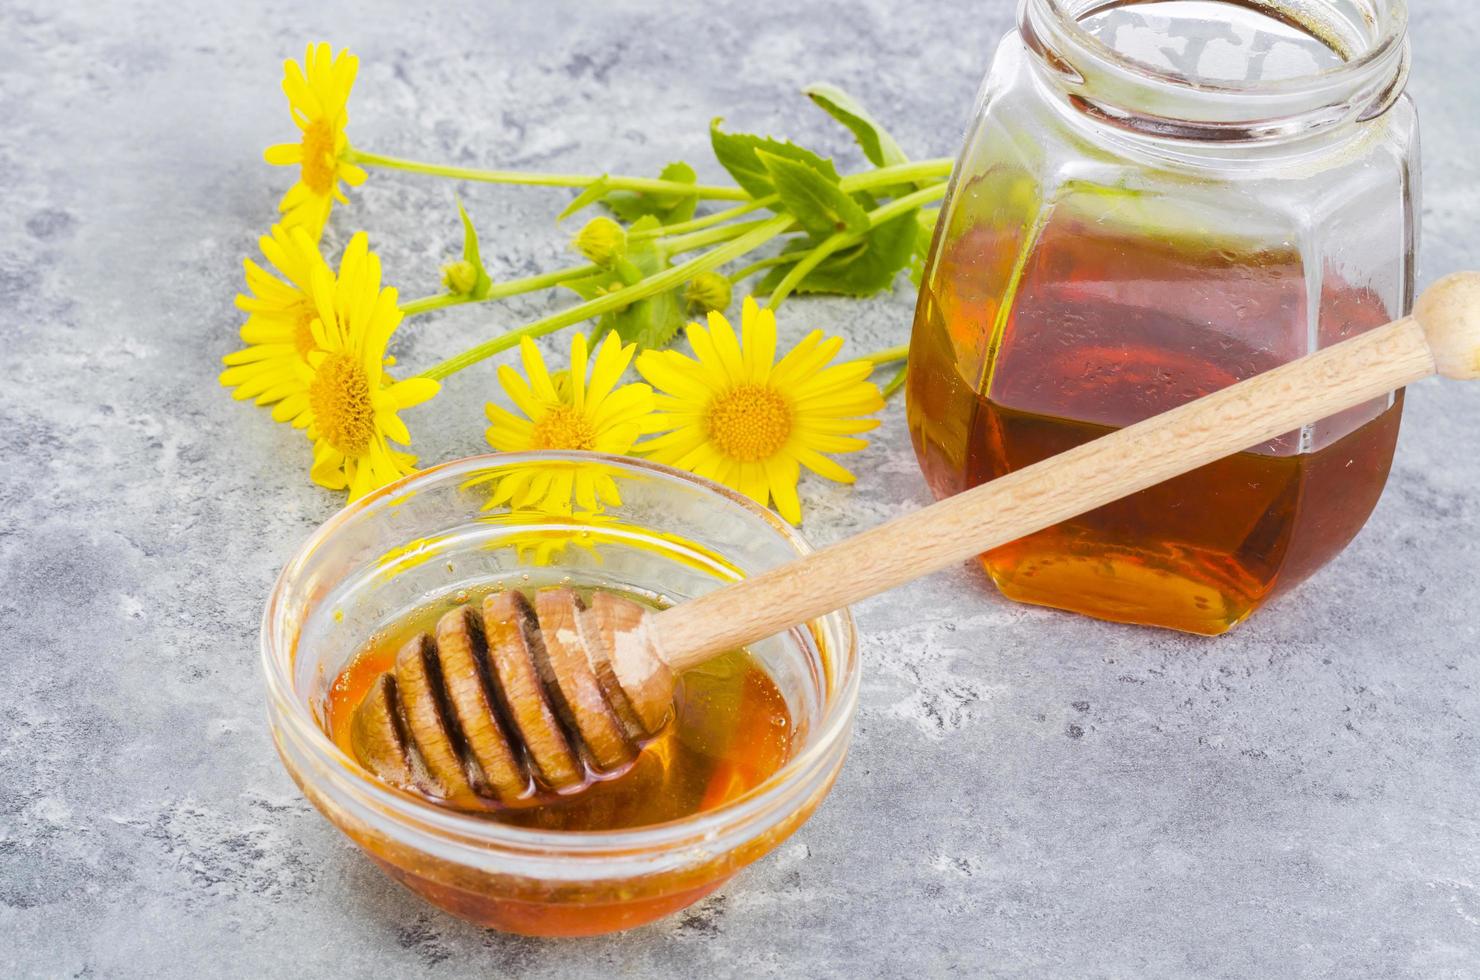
[409,810]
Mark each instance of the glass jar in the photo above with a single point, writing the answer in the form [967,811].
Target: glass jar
[1155,200]
[424,540]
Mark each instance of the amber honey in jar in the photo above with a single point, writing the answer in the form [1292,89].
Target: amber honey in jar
[730,730]
[1157,200]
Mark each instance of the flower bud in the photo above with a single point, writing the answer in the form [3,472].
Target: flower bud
[603,241]
[460,278]
[706,292]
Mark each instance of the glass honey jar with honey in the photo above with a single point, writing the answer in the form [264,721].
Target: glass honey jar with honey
[1154,201]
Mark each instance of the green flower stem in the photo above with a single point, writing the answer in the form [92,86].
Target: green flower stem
[755,267]
[830,245]
[709,236]
[642,184]
[915,170]
[650,286]
[888,355]
[427,304]
[500,290]
[896,382]
[708,221]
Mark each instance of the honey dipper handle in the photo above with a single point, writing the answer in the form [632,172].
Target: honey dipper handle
[1442,335]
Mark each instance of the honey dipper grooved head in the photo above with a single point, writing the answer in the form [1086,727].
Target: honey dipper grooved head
[514,643]
[507,696]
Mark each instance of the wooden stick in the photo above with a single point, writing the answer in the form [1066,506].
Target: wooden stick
[1442,335]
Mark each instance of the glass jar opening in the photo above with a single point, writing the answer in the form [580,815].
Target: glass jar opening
[1221,70]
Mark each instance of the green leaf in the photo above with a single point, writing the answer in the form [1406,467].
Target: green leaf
[593,286]
[863,269]
[648,323]
[594,192]
[677,207]
[470,253]
[873,139]
[814,199]
[668,209]
[736,152]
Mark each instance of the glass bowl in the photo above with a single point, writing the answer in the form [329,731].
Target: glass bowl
[431,536]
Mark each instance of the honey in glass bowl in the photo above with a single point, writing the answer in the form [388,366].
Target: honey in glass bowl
[755,743]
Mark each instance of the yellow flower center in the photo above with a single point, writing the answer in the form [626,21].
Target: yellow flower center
[562,427]
[339,398]
[749,423]
[303,330]
[318,156]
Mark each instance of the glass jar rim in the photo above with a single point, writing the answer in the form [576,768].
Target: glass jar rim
[771,795]
[1391,33]
[1120,88]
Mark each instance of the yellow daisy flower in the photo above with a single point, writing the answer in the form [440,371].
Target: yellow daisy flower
[280,314]
[570,413]
[318,94]
[741,418]
[346,401]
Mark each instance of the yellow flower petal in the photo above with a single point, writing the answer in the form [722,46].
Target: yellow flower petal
[519,393]
[727,345]
[822,466]
[612,359]
[578,366]
[781,480]
[534,369]
[758,340]
[393,427]
[413,391]
[677,374]
[284,154]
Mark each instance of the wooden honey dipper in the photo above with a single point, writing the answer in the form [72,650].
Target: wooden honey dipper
[512,695]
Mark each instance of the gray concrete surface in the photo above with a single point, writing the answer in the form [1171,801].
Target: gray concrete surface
[1029,794]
